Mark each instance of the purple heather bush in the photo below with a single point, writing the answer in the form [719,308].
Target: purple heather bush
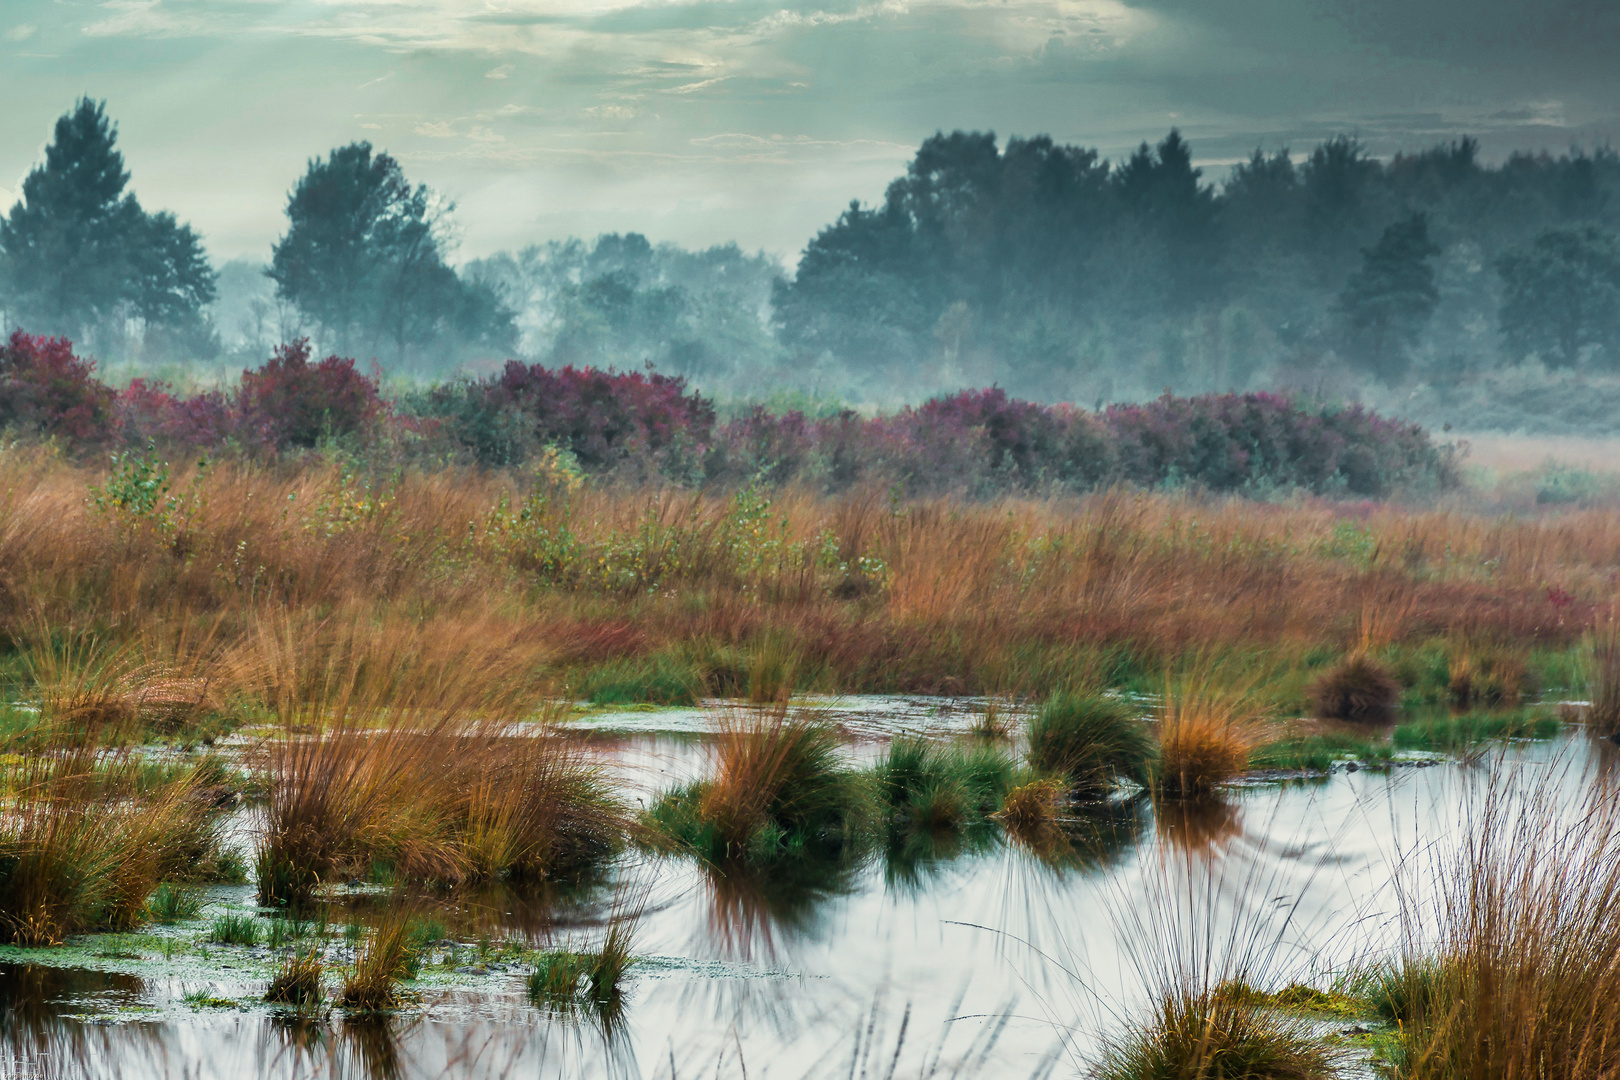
[641,427]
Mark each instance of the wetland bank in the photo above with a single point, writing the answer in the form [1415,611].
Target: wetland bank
[317,768]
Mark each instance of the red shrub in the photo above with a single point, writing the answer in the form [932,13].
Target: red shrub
[148,412]
[291,402]
[46,390]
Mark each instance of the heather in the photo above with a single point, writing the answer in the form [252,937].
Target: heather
[645,427]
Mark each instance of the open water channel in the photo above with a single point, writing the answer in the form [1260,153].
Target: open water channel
[978,954]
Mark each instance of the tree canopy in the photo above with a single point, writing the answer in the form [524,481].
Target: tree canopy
[77,252]
[363,257]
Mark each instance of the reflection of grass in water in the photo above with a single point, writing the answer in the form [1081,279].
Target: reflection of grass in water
[751,907]
[1090,836]
[1197,826]
[1204,935]
[913,857]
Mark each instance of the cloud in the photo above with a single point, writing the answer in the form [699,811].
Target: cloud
[21,32]
[499,72]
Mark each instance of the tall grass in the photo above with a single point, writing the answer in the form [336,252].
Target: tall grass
[381,960]
[77,854]
[1199,934]
[449,803]
[1207,733]
[410,753]
[1603,677]
[1509,968]
[859,594]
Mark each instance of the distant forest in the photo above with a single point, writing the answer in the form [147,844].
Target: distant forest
[1444,287]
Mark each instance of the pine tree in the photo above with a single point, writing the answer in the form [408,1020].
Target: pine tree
[1390,299]
[1561,295]
[77,251]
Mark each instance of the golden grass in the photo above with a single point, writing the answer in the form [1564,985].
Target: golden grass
[1206,733]
[83,846]
[935,596]
[1520,976]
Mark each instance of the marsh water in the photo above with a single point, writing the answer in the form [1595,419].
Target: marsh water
[976,951]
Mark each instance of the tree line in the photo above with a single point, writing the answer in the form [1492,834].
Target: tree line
[362,261]
[1037,266]
[1050,267]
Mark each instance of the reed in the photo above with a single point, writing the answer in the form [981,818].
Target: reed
[78,852]
[381,960]
[299,981]
[1603,677]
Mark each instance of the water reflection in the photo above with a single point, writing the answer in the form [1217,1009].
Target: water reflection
[35,1003]
[1088,837]
[753,912]
[1198,828]
[777,966]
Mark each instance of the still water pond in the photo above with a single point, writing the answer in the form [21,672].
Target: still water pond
[976,952]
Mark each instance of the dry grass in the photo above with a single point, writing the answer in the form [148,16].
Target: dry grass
[1010,598]
[1031,808]
[1359,688]
[381,960]
[447,803]
[1194,930]
[1522,974]
[1207,731]
[298,981]
[78,852]
[1603,678]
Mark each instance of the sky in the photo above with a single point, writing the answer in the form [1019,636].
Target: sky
[708,121]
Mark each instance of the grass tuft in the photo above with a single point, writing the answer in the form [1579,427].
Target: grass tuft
[235,928]
[384,957]
[1206,736]
[1218,1036]
[173,903]
[1091,741]
[298,981]
[1358,688]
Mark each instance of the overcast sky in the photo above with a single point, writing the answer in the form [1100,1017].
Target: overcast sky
[702,121]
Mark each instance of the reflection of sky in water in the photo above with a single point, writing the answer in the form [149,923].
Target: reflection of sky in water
[768,970]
